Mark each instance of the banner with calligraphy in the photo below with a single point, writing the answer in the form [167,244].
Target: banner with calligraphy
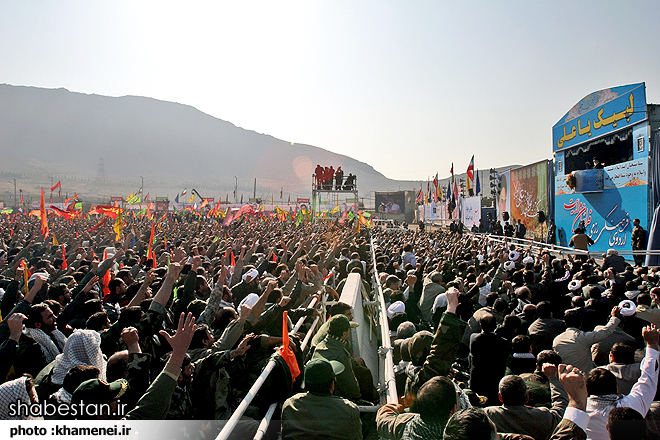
[529,195]
[600,113]
[471,213]
[608,215]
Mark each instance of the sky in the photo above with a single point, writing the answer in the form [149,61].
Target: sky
[406,86]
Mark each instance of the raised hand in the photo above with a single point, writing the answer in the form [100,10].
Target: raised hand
[575,385]
[651,336]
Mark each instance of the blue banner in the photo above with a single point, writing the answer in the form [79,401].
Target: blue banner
[608,215]
[600,113]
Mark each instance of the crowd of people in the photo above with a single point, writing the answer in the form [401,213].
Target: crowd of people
[489,338]
[177,326]
[493,338]
[327,178]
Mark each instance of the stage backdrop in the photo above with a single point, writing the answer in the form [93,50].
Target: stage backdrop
[529,195]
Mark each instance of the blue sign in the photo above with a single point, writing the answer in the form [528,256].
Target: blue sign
[589,180]
[600,113]
[607,216]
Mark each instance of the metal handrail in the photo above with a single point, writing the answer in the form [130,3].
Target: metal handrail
[256,386]
[385,350]
[263,426]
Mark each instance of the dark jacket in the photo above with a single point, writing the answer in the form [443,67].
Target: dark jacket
[488,356]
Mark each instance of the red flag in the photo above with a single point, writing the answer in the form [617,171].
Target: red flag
[60,213]
[57,185]
[470,170]
[74,198]
[110,211]
[233,259]
[106,278]
[285,350]
[44,218]
[64,265]
[151,239]
[274,257]
[99,224]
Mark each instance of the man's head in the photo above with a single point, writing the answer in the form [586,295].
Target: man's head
[117,287]
[187,370]
[341,308]
[547,357]
[601,382]
[626,424]
[320,375]
[513,391]
[636,222]
[98,321]
[470,424]
[202,338]
[251,277]
[125,276]
[393,282]
[573,318]
[339,327]
[60,293]
[436,400]
[622,353]
[40,316]
[77,375]
[488,323]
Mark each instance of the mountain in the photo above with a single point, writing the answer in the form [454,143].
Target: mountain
[100,146]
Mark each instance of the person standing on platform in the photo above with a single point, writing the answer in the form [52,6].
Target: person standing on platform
[552,232]
[339,177]
[638,241]
[581,241]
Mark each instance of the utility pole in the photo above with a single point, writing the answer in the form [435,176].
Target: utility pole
[235,189]
[142,189]
[15,199]
[254,193]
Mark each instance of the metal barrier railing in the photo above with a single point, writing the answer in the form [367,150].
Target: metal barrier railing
[385,351]
[256,386]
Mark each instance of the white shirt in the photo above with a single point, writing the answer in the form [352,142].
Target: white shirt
[640,398]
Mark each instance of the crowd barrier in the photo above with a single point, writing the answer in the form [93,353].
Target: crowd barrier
[371,342]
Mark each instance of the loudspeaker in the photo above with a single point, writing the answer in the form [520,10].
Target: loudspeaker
[505,216]
[541,217]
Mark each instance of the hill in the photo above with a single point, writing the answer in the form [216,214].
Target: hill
[100,146]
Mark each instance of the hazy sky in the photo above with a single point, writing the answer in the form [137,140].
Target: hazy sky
[406,86]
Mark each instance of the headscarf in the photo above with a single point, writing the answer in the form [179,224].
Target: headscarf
[83,347]
[12,392]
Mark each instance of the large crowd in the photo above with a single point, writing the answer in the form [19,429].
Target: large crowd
[178,318]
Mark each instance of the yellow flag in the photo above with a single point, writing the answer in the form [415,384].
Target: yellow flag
[55,242]
[119,223]
[335,210]
[192,197]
